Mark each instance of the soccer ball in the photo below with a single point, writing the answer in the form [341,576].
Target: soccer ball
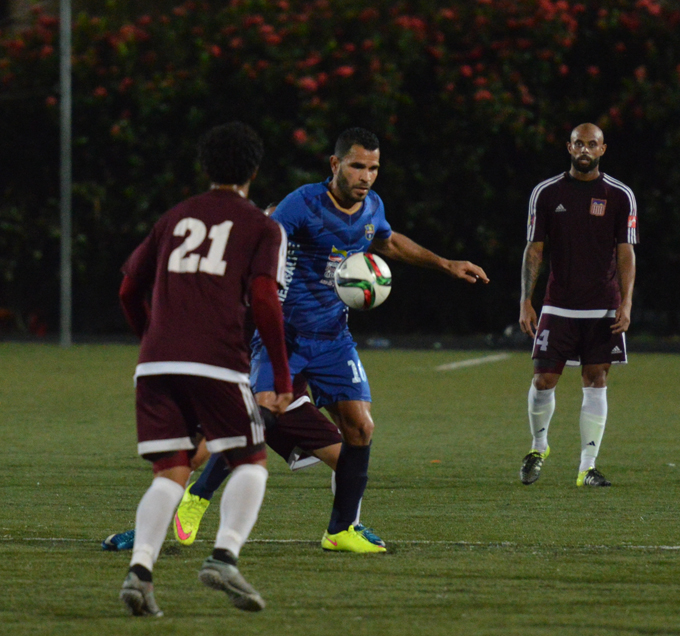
[363,281]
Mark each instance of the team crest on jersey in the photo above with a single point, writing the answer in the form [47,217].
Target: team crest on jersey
[597,206]
[632,221]
[370,231]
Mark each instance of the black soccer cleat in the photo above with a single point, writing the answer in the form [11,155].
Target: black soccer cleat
[531,466]
[592,477]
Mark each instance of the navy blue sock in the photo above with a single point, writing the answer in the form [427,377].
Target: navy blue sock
[212,477]
[351,476]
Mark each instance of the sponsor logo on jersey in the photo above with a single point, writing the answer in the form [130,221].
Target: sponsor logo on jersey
[334,259]
[370,231]
[597,206]
[560,208]
[632,221]
[291,263]
[616,349]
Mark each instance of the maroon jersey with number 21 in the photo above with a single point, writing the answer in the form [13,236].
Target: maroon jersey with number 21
[199,259]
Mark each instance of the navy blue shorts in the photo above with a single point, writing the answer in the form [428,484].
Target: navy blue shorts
[331,367]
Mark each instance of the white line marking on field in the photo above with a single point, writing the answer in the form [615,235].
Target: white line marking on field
[462,544]
[472,362]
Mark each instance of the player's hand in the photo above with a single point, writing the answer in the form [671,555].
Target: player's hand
[467,271]
[280,403]
[528,320]
[621,319]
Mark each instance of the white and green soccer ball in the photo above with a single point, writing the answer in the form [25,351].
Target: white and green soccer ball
[363,281]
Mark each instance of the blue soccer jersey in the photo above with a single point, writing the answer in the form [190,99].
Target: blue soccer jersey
[320,236]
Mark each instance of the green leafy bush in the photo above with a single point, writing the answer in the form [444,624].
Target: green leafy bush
[473,102]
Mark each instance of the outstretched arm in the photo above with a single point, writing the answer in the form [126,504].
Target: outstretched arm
[531,267]
[625,270]
[401,248]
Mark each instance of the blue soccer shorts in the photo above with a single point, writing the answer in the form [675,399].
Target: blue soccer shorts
[332,369]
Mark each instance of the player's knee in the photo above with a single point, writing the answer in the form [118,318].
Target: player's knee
[358,433]
[544,382]
[256,454]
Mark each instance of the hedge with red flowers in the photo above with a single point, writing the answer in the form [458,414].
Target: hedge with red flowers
[473,102]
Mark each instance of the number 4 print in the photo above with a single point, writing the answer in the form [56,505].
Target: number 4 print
[183,262]
[542,340]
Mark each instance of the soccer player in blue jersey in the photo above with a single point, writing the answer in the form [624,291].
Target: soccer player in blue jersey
[326,222]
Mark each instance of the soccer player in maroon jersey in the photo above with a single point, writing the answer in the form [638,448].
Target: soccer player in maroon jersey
[589,221]
[200,262]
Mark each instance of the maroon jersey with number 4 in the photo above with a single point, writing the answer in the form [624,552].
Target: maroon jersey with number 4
[582,223]
[199,260]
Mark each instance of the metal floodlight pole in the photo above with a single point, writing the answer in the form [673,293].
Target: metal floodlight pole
[65,172]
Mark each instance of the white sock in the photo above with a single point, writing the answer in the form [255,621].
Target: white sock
[154,514]
[240,505]
[333,487]
[593,419]
[541,409]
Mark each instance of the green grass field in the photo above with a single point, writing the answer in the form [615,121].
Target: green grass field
[472,550]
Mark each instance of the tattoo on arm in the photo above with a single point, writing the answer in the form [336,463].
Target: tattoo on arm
[531,267]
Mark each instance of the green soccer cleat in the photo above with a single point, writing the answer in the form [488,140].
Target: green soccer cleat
[138,596]
[350,541]
[188,517]
[531,466]
[592,477]
[225,577]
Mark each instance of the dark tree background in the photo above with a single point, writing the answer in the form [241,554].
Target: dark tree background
[473,102]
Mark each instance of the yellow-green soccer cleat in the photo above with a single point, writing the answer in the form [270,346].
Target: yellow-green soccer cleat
[531,466]
[188,517]
[592,477]
[349,541]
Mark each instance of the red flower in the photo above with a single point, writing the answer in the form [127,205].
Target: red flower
[344,71]
[144,20]
[563,69]
[369,14]
[308,83]
[640,73]
[215,50]
[466,70]
[236,43]
[48,21]
[46,51]
[300,136]
[125,84]
[593,71]
[312,60]
[273,39]
[253,20]
[480,81]
[483,95]
[51,101]
[100,91]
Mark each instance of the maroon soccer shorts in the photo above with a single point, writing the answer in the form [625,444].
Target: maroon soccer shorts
[299,432]
[567,340]
[172,409]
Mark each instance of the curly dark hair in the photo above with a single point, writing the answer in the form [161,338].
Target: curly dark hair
[230,153]
[355,136]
